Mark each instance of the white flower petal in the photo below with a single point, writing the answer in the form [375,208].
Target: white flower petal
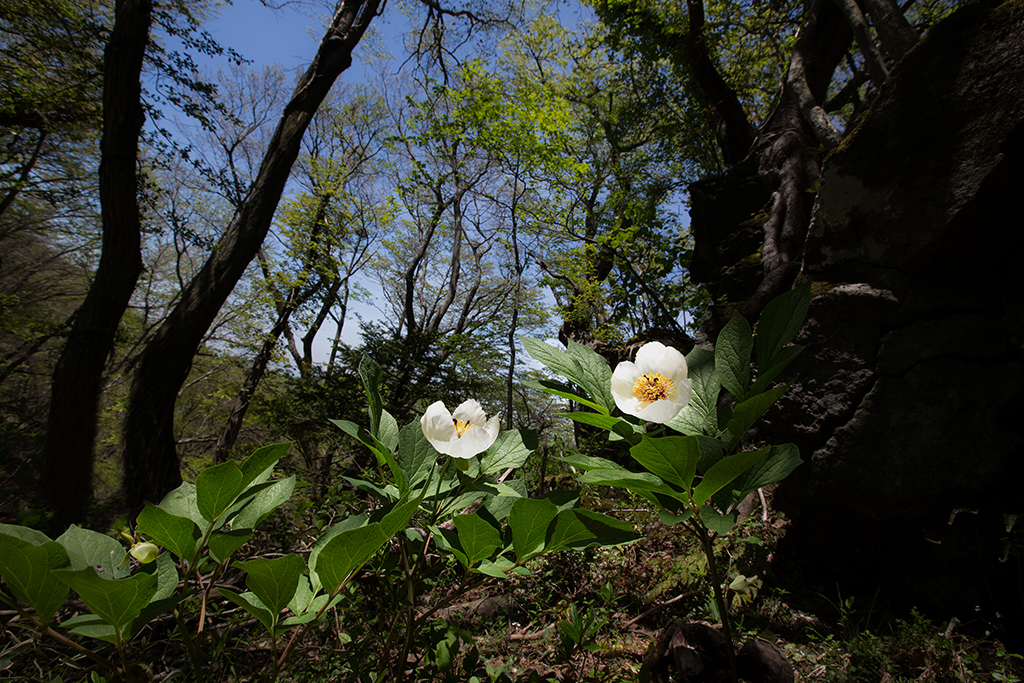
[439,429]
[653,357]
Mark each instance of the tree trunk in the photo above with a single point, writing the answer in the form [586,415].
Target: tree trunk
[66,477]
[150,457]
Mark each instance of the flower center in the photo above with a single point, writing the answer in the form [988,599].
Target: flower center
[461,427]
[652,387]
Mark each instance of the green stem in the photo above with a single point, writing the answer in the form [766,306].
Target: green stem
[716,584]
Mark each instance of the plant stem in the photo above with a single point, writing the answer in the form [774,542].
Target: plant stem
[716,585]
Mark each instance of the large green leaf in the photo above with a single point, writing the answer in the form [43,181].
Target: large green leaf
[251,604]
[700,416]
[346,524]
[263,503]
[674,458]
[595,374]
[478,538]
[723,473]
[616,425]
[177,534]
[273,581]
[87,548]
[117,602]
[745,414]
[773,467]
[529,521]
[27,534]
[217,488]
[416,456]
[779,323]
[259,466]
[511,449]
[223,544]
[182,503]
[581,529]
[732,356]
[346,553]
[27,570]
[579,364]
[563,390]
[637,482]
[383,454]
[388,435]
[782,359]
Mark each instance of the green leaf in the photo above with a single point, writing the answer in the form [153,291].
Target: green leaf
[250,603]
[700,416]
[384,455]
[529,521]
[178,534]
[273,581]
[581,529]
[674,458]
[416,456]
[259,466]
[779,323]
[388,431]
[723,473]
[511,449]
[637,482]
[117,602]
[90,626]
[732,356]
[595,374]
[579,364]
[217,488]
[766,375]
[371,373]
[616,425]
[27,570]
[181,502]
[352,522]
[745,414]
[27,534]
[87,548]
[498,567]
[263,503]
[224,543]
[346,553]
[716,521]
[668,519]
[587,462]
[774,466]
[559,389]
[478,538]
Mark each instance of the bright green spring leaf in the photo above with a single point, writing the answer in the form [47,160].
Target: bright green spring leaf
[273,581]
[117,602]
[723,473]
[732,356]
[674,459]
[529,521]
[511,449]
[177,534]
[87,548]
[478,538]
[27,571]
[779,323]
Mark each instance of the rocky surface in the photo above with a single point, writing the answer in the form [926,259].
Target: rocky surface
[908,404]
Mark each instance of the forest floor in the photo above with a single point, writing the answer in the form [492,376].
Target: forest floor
[578,616]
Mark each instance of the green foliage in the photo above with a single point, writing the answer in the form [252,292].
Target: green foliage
[697,479]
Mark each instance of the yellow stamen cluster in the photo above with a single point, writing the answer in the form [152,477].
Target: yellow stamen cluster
[653,386]
[461,427]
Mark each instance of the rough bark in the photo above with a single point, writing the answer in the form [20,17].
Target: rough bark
[150,457]
[66,476]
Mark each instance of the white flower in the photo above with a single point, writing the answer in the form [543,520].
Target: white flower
[463,434]
[654,388]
